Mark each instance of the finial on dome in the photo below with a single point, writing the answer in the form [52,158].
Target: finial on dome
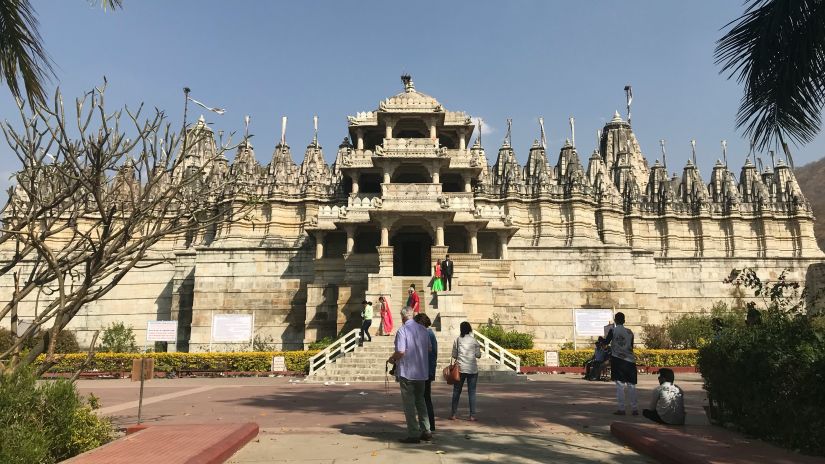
[616,117]
[408,83]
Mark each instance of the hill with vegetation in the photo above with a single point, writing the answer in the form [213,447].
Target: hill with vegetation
[811,178]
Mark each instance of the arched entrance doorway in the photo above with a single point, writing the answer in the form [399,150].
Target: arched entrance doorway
[411,251]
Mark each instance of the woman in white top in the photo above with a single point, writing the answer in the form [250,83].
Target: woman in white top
[466,351]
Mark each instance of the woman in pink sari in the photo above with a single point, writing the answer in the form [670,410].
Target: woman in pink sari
[386,316]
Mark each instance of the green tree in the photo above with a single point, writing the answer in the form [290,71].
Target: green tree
[118,338]
[22,54]
[777,50]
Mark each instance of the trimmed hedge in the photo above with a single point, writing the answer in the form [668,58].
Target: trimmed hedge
[644,357]
[296,361]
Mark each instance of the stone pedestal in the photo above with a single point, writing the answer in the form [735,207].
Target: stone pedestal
[450,312]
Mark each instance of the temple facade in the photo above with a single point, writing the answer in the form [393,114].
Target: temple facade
[530,243]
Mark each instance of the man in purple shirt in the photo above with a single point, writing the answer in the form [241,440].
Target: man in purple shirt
[411,359]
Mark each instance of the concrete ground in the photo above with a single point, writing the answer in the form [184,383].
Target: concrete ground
[544,418]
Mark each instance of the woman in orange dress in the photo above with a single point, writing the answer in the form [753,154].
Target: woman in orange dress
[386,316]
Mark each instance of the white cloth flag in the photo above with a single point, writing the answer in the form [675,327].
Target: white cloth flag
[214,110]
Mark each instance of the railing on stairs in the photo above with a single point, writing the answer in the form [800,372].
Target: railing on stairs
[338,348]
[498,354]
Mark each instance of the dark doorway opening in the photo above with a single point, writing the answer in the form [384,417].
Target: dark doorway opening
[411,174]
[411,252]
[370,183]
[452,182]
[455,237]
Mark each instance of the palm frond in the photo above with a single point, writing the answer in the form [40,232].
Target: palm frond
[108,4]
[21,51]
[777,50]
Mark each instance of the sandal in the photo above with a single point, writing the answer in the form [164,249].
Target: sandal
[472,419]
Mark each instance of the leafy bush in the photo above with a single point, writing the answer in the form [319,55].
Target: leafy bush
[47,422]
[507,339]
[66,341]
[655,337]
[321,344]
[691,331]
[296,361]
[118,338]
[767,379]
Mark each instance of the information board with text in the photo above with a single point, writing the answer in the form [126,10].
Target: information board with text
[591,322]
[231,328]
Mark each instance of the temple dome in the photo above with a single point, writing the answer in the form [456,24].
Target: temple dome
[410,100]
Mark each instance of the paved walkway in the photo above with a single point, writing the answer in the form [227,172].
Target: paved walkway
[541,419]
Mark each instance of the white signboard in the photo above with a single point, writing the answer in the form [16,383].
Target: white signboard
[278,364]
[231,327]
[161,331]
[551,358]
[590,322]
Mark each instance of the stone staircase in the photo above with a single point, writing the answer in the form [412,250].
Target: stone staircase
[367,363]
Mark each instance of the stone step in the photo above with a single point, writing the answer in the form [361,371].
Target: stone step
[356,378]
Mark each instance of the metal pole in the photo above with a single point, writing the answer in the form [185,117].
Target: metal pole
[140,401]
[575,346]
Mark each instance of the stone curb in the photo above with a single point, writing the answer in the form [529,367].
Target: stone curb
[702,445]
[134,447]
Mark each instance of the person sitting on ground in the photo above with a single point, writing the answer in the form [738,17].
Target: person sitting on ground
[668,403]
[594,367]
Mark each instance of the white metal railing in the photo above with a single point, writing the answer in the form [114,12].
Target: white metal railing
[338,348]
[498,354]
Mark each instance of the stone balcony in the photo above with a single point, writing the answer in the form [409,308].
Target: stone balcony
[410,148]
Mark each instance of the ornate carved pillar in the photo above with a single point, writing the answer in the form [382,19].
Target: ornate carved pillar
[385,235]
[360,139]
[468,186]
[319,244]
[439,233]
[350,230]
[390,122]
[355,177]
[503,238]
[472,232]
[432,129]
[462,141]
[436,175]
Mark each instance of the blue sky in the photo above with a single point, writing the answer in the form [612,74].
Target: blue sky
[494,60]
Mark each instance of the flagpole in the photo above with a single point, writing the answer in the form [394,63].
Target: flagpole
[186,91]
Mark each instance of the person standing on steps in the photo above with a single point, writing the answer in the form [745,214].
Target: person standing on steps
[466,351]
[437,284]
[366,321]
[623,365]
[413,301]
[424,320]
[386,316]
[447,272]
[412,347]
